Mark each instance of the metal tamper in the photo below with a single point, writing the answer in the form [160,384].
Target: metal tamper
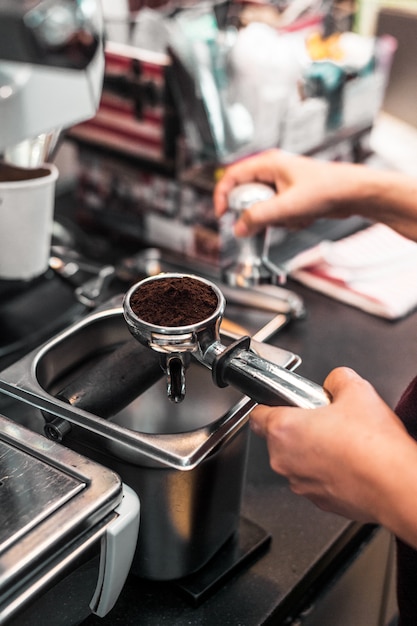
[251,265]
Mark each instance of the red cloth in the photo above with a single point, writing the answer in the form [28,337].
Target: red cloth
[407,556]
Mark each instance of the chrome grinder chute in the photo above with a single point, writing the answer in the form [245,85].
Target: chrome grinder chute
[237,365]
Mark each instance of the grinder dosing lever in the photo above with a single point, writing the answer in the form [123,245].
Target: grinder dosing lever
[179,315]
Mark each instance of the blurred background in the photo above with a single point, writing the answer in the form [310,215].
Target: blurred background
[192,86]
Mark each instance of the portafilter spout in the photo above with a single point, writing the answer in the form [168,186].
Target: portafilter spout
[179,315]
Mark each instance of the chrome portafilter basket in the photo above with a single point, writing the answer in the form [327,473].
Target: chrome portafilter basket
[237,364]
[175,343]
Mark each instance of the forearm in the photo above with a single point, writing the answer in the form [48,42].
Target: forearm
[382,196]
[308,189]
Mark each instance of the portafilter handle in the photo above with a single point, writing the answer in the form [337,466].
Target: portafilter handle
[263,381]
[236,365]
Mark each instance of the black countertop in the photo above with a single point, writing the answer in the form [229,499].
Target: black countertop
[306,543]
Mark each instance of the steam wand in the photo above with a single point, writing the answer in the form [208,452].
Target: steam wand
[237,365]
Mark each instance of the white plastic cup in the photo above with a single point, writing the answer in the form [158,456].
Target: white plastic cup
[27,202]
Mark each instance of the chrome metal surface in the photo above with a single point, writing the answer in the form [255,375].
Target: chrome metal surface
[90,292]
[266,298]
[33,152]
[175,372]
[31,491]
[251,265]
[51,499]
[294,389]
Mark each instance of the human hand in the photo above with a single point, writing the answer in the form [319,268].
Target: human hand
[347,458]
[306,189]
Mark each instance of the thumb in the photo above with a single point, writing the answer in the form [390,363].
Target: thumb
[288,208]
[342,380]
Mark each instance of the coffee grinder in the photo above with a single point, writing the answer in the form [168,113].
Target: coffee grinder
[51,71]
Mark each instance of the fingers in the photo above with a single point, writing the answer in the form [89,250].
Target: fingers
[298,183]
[260,417]
[253,169]
[259,216]
[342,384]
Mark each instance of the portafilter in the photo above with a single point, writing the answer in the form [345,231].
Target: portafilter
[165,313]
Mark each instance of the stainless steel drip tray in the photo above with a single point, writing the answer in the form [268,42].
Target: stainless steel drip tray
[146,432]
[31,490]
[40,481]
[54,506]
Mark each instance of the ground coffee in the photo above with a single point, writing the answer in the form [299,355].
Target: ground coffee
[174,301]
[12,174]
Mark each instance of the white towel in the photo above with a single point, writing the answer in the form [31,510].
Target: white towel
[374,269]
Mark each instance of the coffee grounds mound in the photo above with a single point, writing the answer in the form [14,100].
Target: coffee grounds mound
[174,301]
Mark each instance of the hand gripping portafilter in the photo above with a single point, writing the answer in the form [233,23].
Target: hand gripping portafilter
[236,365]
